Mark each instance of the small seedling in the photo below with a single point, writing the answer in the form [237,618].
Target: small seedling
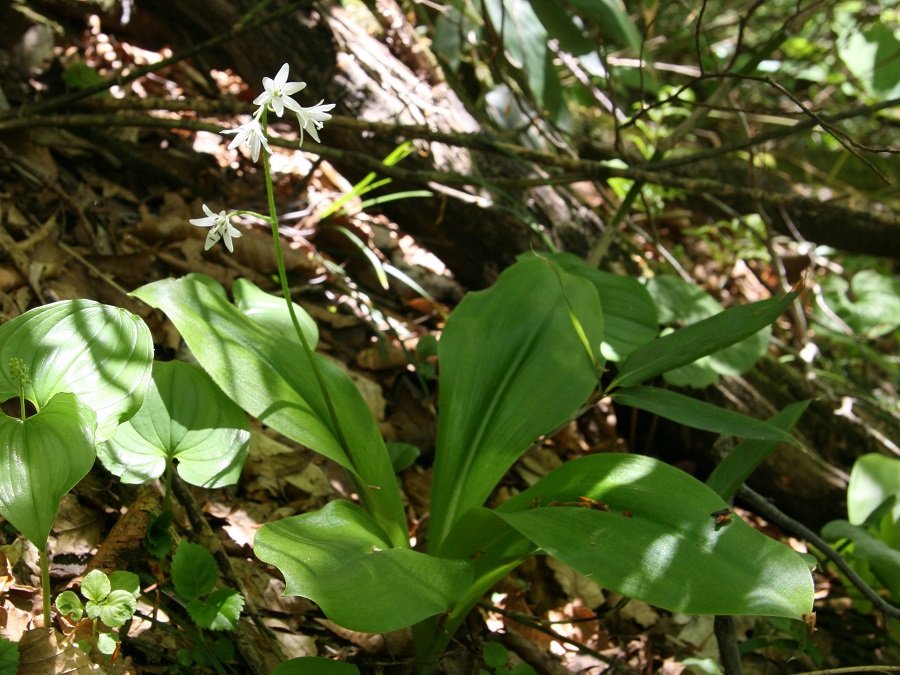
[111,601]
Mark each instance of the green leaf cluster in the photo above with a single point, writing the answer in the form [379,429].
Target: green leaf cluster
[195,575]
[110,599]
[517,361]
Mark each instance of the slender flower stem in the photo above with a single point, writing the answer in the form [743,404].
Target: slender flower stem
[45,585]
[282,275]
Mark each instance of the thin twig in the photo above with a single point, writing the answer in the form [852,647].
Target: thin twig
[771,513]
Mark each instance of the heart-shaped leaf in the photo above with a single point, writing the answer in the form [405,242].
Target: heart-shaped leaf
[185,416]
[648,530]
[41,459]
[340,559]
[100,353]
[514,365]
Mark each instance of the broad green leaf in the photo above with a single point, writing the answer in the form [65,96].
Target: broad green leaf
[185,417]
[41,459]
[682,303]
[118,608]
[100,353]
[314,665]
[659,541]
[700,339]
[873,479]
[884,561]
[629,315]
[340,559]
[194,570]
[273,380]
[698,414]
[96,586]
[271,311]
[742,461]
[513,367]
[220,611]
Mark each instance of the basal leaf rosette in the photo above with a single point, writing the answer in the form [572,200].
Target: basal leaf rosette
[102,354]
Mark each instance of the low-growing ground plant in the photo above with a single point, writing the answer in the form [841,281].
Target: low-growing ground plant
[516,362]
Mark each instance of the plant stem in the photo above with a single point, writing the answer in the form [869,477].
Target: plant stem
[379,510]
[167,498]
[45,585]
[286,291]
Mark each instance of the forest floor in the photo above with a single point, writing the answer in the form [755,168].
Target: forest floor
[80,218]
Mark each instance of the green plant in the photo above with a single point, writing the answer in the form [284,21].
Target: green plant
[111,601]
[496,660]
[195,575]
[870,537]
[84,367]
[517,361]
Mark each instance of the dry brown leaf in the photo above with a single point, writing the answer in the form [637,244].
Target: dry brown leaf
[45,652]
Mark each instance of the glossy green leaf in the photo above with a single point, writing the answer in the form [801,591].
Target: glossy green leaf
[874,479]
[273,380]
[682,303]
[271,311]
[629,314]
[340,559]
[41,459]
[185,417]
[194,570]
[100,353]
[513,367]
[742,461]
[314,665]
[659,541]
[700,339]
[698,414]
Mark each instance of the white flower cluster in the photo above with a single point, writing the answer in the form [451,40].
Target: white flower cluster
[275,98]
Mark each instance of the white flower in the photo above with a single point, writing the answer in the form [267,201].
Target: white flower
[221,228]
[252,134]
[278,92]
[311,119]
